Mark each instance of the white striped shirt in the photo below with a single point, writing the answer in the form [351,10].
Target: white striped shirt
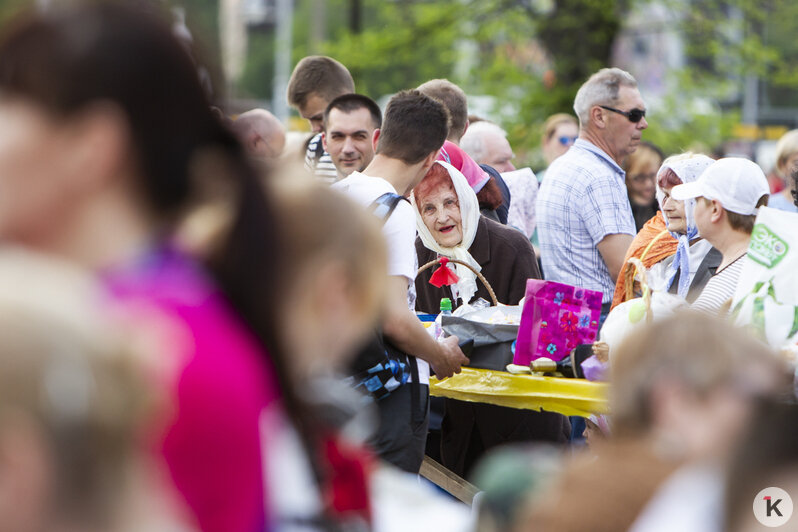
[720,287]
[321,165]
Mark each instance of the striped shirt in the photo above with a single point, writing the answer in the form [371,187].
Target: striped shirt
[720,288]
[582,200]
[318,161]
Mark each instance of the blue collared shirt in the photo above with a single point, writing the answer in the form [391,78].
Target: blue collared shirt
[582,199]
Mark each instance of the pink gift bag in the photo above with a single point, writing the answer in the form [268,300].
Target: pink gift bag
[555,319]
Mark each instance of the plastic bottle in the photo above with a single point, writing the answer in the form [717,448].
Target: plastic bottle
[446,306]
[446,309]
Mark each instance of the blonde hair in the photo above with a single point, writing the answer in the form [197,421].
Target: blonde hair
[699,351]
[786,147]
[554,121]
[645,154]
[68,370]
[319,224]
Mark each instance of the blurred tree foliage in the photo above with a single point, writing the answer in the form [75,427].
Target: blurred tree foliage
[529,55]
[8,8]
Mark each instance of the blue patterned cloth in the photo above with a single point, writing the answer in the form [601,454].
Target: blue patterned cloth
[582,200]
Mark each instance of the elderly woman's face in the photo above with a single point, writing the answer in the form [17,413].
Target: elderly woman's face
[674,212]
[440,211]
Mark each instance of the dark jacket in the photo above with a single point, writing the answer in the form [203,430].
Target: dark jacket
[470,429]
[502,211]
[703,274]
[507,261]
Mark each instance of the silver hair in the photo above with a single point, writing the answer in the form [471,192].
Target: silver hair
[601,89]
[473,141]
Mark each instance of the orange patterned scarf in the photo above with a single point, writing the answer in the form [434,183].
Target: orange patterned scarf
[651,245]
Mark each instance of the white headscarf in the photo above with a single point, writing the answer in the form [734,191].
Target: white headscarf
[469,219]
[688,170]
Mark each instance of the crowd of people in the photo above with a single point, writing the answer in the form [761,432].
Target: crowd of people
[211,327]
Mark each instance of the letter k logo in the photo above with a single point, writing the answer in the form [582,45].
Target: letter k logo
[772,506]
[777,508]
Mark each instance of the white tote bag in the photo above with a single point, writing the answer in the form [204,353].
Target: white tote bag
[766,297]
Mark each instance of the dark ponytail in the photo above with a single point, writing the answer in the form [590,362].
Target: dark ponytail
[65,60]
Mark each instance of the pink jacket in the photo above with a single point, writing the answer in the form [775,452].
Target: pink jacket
[222,381]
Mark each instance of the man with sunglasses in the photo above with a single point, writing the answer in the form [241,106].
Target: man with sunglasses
[585,222]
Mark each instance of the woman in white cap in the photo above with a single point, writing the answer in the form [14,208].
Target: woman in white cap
[727,196]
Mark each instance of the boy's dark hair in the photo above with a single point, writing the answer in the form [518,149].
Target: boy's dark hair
[352,102]
[455,101]
[415,125]
[318,74]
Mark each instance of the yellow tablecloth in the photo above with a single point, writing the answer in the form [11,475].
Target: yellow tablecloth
[571,397]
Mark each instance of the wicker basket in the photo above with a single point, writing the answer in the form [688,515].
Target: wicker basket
[430,264]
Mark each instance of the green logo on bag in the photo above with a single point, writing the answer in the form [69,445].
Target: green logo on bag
[766,247]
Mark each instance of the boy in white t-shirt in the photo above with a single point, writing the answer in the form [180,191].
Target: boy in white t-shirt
[729,192]
[406,146]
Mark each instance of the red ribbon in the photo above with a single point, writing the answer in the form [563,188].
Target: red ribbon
[443,276]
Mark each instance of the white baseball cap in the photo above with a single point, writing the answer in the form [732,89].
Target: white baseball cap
[735,182]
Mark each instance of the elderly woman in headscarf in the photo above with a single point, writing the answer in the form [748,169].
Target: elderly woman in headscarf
[687,272]
[450,225]
[669,243]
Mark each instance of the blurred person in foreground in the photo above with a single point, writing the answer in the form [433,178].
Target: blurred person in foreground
[315,82]
[727,195]
[77,404]
[767,456]
[407,145]
[682,392]
[717,495]
[132,146]
[331,300]
[786,163]
[641,182]
[508,476]
[585,223]
[261,133]
[560,131]
[669,243]
[492,192]
[449,224]
[349,125]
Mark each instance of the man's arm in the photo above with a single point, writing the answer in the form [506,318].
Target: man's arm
[613,250]
[407,334]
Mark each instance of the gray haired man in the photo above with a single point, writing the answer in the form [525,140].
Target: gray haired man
[585,222]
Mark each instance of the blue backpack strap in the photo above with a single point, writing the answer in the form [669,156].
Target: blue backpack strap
[384,206]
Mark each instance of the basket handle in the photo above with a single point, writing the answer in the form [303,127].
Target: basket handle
[602,349]
[640,270]
[481,277]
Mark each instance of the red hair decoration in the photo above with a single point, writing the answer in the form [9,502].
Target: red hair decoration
[443,275]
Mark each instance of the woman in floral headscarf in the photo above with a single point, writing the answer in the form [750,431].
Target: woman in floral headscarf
[669,243]
[449,224]
[686,272]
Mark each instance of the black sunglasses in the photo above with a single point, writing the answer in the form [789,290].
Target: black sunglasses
[635,115]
